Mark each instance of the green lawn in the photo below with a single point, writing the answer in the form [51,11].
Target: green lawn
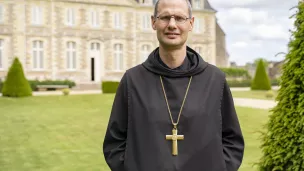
[65,133]
[257,94]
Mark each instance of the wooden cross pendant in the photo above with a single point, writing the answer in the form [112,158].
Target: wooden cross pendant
[174,137]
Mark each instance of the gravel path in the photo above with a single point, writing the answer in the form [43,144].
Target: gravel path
[254,103]
[248,88]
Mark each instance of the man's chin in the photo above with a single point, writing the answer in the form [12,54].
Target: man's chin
[172,43]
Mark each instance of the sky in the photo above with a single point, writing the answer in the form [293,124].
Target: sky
[255,28]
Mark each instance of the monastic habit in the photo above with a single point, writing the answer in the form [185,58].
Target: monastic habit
[180,119]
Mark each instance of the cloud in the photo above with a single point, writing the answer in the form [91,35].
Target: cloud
[253,4]
[239,44]
[264,31]
[243,16]
[255,28]
[246,44]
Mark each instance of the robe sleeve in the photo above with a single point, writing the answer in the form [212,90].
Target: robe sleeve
[116,134]
[232,138]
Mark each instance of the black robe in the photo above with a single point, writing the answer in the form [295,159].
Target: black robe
[135,138]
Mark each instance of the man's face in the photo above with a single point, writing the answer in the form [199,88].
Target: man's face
[172,32]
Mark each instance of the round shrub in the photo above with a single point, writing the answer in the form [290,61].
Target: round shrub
[66,91]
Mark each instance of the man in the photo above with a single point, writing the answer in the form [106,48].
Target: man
[175,111]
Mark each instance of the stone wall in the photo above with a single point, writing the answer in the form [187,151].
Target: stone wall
[19,34]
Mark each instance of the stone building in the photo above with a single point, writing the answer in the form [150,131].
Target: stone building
[88,41]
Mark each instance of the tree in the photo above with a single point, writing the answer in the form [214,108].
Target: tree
[16,85]
[283,139]
[261,80]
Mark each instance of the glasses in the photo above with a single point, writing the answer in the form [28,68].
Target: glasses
[178,19]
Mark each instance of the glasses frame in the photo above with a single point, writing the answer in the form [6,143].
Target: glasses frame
[173,16]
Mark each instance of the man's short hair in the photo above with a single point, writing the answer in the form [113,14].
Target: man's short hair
[189,8]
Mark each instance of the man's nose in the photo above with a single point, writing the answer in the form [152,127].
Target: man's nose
[172,23]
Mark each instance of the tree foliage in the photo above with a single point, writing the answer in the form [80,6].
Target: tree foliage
[283,140]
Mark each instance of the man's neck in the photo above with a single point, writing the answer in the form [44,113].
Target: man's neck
[173,58]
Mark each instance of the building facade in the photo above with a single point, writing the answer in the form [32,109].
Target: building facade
[89,41]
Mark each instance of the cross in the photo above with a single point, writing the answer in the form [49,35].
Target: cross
[174,137]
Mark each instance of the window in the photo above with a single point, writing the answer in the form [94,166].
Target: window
[145,51]
[1,14]
[70,17]
[36,15]
[38,54]
[197,25]
[95,46]
[197,4]
[118,57]
[146,21]
[71,56]
[1,53]
[94,18]
[117,21]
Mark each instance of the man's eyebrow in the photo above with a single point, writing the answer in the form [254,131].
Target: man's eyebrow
[167,13]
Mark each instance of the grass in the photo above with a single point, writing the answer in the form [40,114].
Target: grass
[65,133]
[251,121]
[256,94]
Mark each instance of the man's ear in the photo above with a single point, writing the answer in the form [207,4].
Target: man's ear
[153,22]
[191,23]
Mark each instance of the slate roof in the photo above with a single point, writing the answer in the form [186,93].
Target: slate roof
[207,6]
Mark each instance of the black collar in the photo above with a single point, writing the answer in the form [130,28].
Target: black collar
[186,65]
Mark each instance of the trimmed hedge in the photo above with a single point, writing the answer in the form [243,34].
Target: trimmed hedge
[35,83]
[109,86]
[247,83]
[16,85]
[275,82]
[242,83]
[236,72]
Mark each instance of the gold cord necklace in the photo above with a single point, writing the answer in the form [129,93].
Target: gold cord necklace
[174,137]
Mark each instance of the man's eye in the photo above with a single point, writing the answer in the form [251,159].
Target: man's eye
[179,18]
[166,18]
